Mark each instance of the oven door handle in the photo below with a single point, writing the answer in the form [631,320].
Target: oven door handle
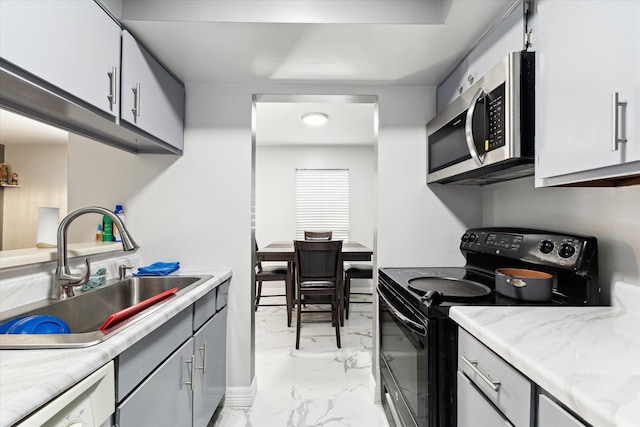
[414,326]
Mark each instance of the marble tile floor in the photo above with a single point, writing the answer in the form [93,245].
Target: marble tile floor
[318,385]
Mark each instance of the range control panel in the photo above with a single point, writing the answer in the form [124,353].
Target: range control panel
[540,247]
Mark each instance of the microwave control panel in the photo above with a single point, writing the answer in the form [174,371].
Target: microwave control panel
[494,119]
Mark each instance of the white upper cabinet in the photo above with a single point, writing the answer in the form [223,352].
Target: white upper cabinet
[152,99]
[73,45]
[586,52]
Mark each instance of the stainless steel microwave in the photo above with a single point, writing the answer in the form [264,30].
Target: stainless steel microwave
[487,134]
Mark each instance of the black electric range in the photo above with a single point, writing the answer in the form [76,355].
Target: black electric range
[418,342]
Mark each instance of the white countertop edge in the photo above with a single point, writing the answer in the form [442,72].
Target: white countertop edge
[31,378]
[587,389]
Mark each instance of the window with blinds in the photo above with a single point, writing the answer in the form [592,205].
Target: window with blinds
[322,202]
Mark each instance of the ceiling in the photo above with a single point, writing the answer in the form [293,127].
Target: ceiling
[309,42]
[372,42]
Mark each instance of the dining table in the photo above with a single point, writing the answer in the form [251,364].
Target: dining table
[283,251]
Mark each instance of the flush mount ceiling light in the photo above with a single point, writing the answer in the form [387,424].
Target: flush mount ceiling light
[315,119]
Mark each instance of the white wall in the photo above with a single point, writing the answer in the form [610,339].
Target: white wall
[275,187]
[610,214]
[197,209]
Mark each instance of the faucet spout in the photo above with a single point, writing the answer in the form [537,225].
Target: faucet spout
[64,279]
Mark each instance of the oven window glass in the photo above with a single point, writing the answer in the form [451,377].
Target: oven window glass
[405,354]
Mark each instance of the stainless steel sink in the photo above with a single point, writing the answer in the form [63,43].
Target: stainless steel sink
[86,312]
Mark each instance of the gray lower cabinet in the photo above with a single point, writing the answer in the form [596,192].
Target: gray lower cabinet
[163,399]
[176,376]
[210,376]
[492,393]
[474,409]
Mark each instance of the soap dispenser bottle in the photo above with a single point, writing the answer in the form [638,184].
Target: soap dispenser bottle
[116,233]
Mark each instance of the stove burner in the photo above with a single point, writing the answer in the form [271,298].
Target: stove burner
[448,288]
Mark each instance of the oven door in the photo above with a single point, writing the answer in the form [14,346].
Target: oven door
[404,361]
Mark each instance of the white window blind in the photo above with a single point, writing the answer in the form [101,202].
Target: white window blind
[322,202]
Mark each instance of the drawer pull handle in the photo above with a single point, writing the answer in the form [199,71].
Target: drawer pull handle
[113,77]
[495,385]
[203,353]
[191,364]
[615,118]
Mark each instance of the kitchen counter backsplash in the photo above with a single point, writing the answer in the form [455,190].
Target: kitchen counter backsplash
[29,284]
[586,357]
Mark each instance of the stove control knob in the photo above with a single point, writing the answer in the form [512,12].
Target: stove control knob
[473,237]
[465,238]
[566,251]
[546,246]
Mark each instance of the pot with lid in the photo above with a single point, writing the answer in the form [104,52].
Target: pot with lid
[523,284]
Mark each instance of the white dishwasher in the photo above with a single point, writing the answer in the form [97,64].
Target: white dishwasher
[90,403]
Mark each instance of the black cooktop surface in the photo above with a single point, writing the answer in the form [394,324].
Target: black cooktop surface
[447,287]
[411,284]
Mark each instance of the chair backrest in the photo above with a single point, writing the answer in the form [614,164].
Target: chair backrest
[318,260]
[318,235]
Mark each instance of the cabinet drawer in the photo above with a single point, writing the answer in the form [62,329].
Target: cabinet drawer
[203,309]
[223,295]
[550,414]
[474,409]
[511,392]
[139,360]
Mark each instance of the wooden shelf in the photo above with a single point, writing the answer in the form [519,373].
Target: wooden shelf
[10,186]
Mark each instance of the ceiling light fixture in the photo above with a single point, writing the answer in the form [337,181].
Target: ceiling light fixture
[315,119]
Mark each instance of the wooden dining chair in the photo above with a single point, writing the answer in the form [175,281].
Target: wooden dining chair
[355,271]
[318,279]
[268,273]
[318,235]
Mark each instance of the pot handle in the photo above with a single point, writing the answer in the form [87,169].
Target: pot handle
[515,282]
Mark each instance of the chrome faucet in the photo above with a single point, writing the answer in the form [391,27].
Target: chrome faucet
[65,281]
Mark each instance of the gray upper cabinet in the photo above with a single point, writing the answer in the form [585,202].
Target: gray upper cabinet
[587,53]
[73,45]
[505,37]
[152,99]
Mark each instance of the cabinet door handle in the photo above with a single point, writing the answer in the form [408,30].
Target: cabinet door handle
[190,363]
[616,104]
[113,77]
[495,385]
[136,101]
[203,353]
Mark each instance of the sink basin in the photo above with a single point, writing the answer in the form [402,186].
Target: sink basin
[86,312]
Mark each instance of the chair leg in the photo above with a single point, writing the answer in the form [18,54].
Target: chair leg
[298,321]
[347,295]
[258,293]
[289,290]
[336,316]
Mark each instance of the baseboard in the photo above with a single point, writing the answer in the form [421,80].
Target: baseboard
[374,389]
[241,397]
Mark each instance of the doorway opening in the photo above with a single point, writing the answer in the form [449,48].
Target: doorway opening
[282,144]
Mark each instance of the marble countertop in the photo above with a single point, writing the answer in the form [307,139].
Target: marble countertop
[31,378]
[586,357]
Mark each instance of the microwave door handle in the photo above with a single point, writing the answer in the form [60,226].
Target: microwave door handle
[468,128]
